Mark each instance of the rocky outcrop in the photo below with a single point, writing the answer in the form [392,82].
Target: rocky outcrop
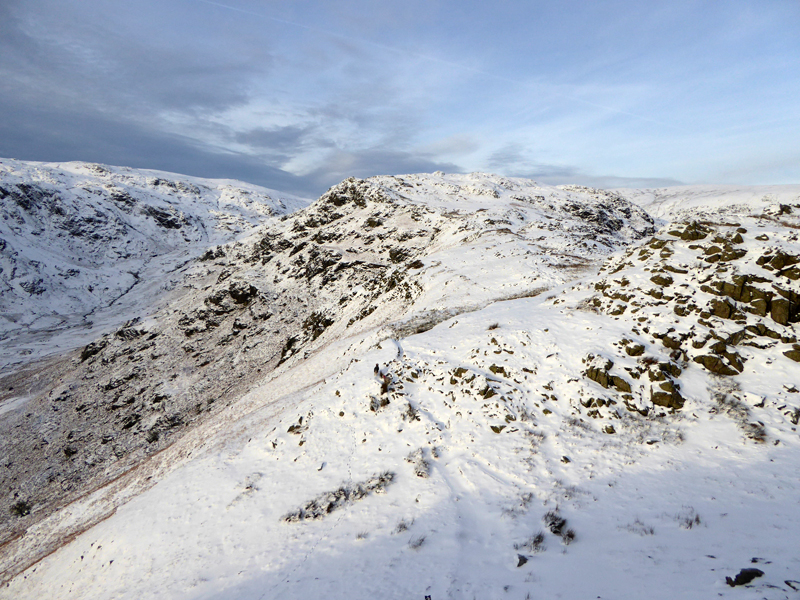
[728,290]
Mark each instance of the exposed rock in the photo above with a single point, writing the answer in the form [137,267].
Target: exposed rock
[693,232]
[93,348]
[598,370]
[760,306]
[732,254]
[667,394]
[661,280]
[794,353]
[324,504]
[763,330]
[781,260]
[780,311]
[722,309]
[620,384]
[634,350]
[744,577]
[715,364]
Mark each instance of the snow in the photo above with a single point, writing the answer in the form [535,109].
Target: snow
[13,403]
[85,247]
[677,201]
[667,506]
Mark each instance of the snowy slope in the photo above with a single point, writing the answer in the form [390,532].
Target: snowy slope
[698,201]
[82,244]
[653,405]
[365,260]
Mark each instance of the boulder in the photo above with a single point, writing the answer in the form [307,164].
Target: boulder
[781,260]
[779,311]
[694,232]
[763,330]
[620,384]
[661,280]
[759,306]
[598,371]
[721,309]
[667,395]
[715,364]
[634,350]
[794,353]
[744,577]
[732,254]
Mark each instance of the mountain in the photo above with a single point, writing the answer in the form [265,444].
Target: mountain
[583,399]
[82,244]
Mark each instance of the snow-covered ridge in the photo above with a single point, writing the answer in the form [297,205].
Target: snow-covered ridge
[707,201]
[370,259]
[78,238]
[630,432]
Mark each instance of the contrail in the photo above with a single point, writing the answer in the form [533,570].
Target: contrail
[351,39]
[434,59]
[255,14]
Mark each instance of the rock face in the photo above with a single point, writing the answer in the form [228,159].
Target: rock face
[81,244]
[368,253]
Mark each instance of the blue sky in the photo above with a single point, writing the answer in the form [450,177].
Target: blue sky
[300,95]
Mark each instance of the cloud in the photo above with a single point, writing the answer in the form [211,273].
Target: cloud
[73,87]
[58,136]
[78,83]
[513,160]
[280,145]
[70,55]
[564,175]
[340,164]
[301,95]
[609,182]
[453,145]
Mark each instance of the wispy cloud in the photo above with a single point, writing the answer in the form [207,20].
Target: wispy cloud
[311,92]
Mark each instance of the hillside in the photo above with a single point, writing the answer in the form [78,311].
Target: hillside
[82,244]
[584,402]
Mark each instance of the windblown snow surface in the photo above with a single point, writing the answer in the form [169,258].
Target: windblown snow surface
[631,432]
[85,245]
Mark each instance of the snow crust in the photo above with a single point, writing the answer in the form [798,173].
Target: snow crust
[494,420]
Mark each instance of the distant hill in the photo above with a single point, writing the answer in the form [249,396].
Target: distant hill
[84,247]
